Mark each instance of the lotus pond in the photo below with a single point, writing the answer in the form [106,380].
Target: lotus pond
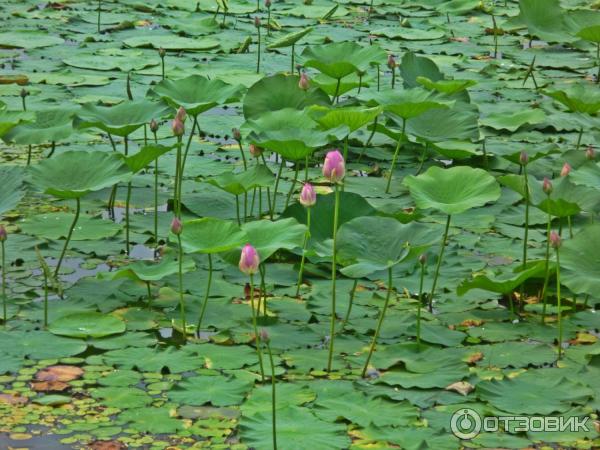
[299,225]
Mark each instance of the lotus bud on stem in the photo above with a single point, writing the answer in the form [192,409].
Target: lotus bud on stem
[547,188]
[304,82]
[308,198]
[334,169]
[555,242]
[162,53]
[257,25]
[391,62]
[422,263]
[524,160]
[177,229]
[249,262]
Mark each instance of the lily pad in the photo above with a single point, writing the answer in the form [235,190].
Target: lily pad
[87,324]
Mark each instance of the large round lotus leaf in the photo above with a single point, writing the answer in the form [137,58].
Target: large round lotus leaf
[273,132]
[280,92]
[196,93]
[147,155]
[444,124]
[238,183]
[547,20]
[122,119]
[28,39]
[578,98]
[503,283]
[171,42]
[580,261]
[87,324]
[591,34]
[413,66]
[211,235]
[407,103]
[289,39]
[453,190]
[513,120]
[56,226]
[10,119]
[74,174]
[352,117]
[373,243]
[342,58]
[11,192]
[448,87]
[51,125]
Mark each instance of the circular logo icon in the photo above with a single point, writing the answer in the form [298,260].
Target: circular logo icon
[465,424]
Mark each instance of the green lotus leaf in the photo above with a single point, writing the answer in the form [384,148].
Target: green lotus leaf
[87,324]
[408,103]
[577,98]
[73,174]
[369,244]
[413,66]
[171,42]
[409,34]
[38,345]
[273,132]
[51,125]
[149,270]
[547,20]
[352,117]
[340,59]
[211,235]
[12,187]
[196,93]
[278,92]
[565,200]
[289,39]
[444,124]
[10,119]
[448,87]
[580,261]
[122,119]
[147,155]
[28,39]
[504,283]
[512,121]
[453,190]
[56,225]
[216,390]
[457,7]
[237,183]
[591,34]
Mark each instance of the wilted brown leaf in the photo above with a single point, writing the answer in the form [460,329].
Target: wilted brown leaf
[107,445]
[462,387]
[49,386]
[12,399]
[474,357]
[59,373]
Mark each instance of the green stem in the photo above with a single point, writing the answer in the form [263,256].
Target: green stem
[99,10]
[558,300]
[275,188]
[389,182]
[45,298]
[350,303]
[4,308]
[64,250]
[162,63]
[570,224]
[420,305]
[291,191]
[184,159]
[149,288]
[306,169]
[598,59]
[336,213]
[256,335]
[176,207]
[337,90]
[292,71]
[127,203]
[237,209]
[526,233]
[579,138]
[378,77]
[206,295]
[181,299]
[439,263]
[273,398]
[243,155]
[369,139]
[393,77]
[258,56]
[29,148]
[269,21]
[379,323]
[304,245]
[263,288]
[422,161]
[544,293]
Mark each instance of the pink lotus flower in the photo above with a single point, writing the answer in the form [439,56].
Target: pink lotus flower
[523,158]
[181,114]
[257,22]
[236,134]
[153,126]
[308,196]
[249,260]
[255,150]
[555,240]
[391,61]
[304,82]
[177,127]
[547,186]
[334,168]
[566,170]
[176,226]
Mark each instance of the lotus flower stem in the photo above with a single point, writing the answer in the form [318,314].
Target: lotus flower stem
[293,50]
[374,126]
[350,303]
[45,298]
[243,155]
[570,224]
[181,298]
[274,204]
[268,189]
[206,295]
[258,54]
[558,303]
[369,11]
[495,36]
[304,245]
[149,288]
[52,149]
[99,11]
[439,263]
[395,157]
[306,169]
[155,198]
[598,59]
[579,138]
[127,201]
[256,335]
[526,234]
[259,214]
[263,288]
[269,21]
[187,149]
[273,394]
[378,78]
[293,186]
[245,206]
[4,310]
[420,304]
[128,89]
[544,293]
[237,209]
[336,97]
[379,323]
[64,250]
[336,213]
[177,196]
[29,154]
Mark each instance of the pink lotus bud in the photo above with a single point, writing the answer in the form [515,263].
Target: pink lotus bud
[264,335]
[547,186]
[590,153]
[334,168]
[162,52]
[176,226]
[523,158]
[422,258]
[391,62]
[236,134]
[255,150]
[257,22]
[178,127]
[555,240]
[566,170]
[3,233]
[308,196]
[268,3]
[181,114]
[249,260]
[304,82]
[153,126]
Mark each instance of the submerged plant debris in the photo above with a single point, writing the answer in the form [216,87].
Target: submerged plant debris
[467,268]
